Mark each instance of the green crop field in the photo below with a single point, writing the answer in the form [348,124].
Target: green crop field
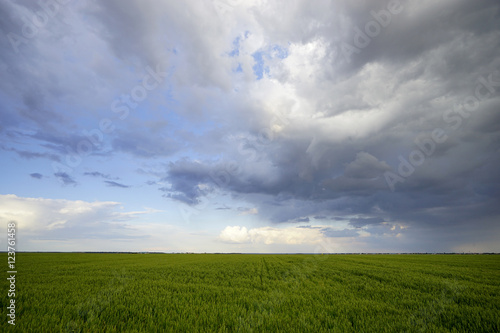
[86,292]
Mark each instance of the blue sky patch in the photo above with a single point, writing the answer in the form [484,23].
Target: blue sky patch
[260,57]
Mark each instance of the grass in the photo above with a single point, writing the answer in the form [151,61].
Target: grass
[91,292]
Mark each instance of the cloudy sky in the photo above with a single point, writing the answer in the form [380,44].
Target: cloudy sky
[250,126]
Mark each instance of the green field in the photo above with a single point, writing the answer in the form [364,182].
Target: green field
[65,292]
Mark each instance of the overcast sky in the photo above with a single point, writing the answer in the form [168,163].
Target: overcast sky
[251,126]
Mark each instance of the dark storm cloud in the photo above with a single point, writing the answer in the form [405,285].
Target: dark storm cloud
[430,58]
[187,181]
[363,175]
[407,34]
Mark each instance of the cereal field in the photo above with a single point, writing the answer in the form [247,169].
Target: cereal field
[111,292]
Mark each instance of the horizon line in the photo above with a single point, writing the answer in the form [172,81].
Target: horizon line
[268,253]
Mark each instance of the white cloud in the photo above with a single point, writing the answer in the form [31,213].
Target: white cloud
[44,216]
[269,235]
[235,234]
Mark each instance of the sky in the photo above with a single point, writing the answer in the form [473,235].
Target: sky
[250,126]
